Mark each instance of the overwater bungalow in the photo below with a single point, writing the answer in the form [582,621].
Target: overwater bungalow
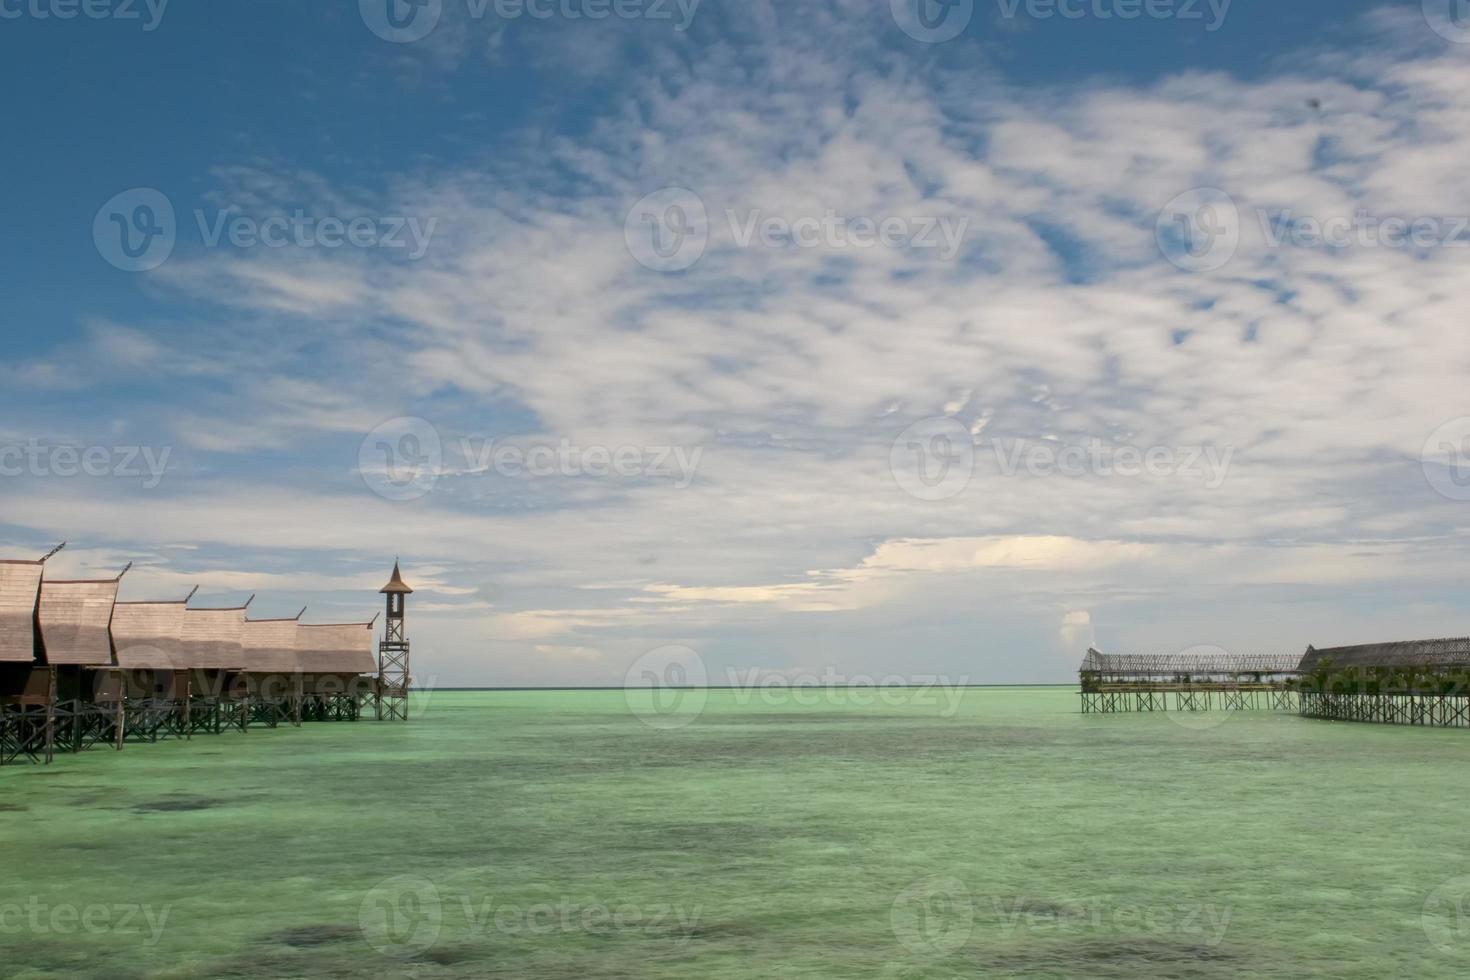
[74,618]
[1412,682]
[211,652]
[79,668]
[272,669]
[25,691]
[339,670]
[147,640]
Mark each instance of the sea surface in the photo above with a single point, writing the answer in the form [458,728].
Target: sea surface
[787,834]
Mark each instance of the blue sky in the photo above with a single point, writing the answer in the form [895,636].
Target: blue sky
[730,417]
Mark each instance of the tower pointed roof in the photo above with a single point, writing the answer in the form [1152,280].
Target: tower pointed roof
[396,584]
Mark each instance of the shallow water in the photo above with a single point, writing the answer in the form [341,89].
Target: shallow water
[556,835]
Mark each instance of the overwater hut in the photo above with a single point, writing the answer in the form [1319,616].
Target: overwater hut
[211,651]
[147,639]
[1195,682]
[74,618]
[1412,682]
[271,667]
[26,691]
[339,670]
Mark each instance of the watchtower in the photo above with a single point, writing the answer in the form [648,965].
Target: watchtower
[393,665]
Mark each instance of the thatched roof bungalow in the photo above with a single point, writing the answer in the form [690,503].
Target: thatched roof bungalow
[211,648]
[336,657]
[271,660]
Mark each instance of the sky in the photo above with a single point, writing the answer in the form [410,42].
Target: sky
[857,340]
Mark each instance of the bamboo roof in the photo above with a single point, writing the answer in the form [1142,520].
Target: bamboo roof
[210,639]
[339,648]
[1454,652]
[270,646]
[74,617]
[1166,665]
[20,586]
[149,635]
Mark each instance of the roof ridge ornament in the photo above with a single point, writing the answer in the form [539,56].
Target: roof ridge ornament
[52,553]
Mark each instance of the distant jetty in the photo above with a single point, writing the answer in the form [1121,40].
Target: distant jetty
[1416,682]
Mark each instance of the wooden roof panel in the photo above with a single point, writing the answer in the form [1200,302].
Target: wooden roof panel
[149,635]
[20,586]
[74,619]
[336,649]
[211,639]
[1454,652]
[270,646]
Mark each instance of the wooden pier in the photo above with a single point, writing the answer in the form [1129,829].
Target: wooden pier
[1420,682]
[1125,683]
[81,670]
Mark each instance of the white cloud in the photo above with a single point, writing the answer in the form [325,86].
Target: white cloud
[1324,370]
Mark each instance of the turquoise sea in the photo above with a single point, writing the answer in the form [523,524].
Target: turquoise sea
[558,835]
